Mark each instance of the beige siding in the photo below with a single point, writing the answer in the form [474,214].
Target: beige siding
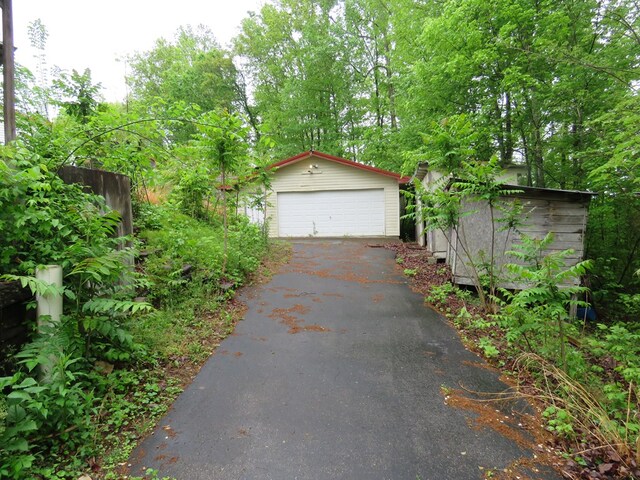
[332,176]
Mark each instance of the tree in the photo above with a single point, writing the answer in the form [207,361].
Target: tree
[77,95]
[466,184]
[38,36]
[369,39]
[222,140]
[304,91]
[530,75]
[191,70]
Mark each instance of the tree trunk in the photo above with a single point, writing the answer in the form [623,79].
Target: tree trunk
[391,87]
[508,133]
[536,145]
[224,223]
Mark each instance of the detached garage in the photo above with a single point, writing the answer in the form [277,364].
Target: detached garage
[318,195]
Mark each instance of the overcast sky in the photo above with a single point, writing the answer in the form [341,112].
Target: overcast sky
[95,34]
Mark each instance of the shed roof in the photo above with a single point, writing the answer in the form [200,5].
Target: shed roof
[423,168]
[349,163]
[568,194]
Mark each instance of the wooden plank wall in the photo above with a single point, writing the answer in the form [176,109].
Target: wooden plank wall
[14,325]
[561,213]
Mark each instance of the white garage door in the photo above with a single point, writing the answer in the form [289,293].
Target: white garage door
[331,213]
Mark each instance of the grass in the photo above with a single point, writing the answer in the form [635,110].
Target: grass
[182,337]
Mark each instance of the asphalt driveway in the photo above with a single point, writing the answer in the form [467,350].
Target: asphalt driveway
[336,372]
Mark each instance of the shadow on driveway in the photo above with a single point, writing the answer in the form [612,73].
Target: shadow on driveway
[336,372]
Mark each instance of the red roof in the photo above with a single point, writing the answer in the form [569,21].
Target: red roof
[343,161]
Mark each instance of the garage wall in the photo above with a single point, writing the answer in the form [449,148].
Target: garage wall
[332,176]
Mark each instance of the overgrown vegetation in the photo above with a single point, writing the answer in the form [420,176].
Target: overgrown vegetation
[139,311]
[584,375]
[468,86]
[566,357]
[75,394]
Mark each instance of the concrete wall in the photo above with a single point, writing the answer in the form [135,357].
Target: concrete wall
[333,176]
[114,187]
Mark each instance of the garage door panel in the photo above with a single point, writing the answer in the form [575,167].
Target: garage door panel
[331,213]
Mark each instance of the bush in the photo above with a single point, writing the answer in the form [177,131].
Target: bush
[184,241]
[48,403]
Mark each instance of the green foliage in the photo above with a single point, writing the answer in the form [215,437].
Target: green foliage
[193,190]
[45,418]
[619,145]
[39,214]
[77,95]
[463,317]
[537,316]
[457,83]
[305,86]
[439,294]
[183,240]
[466,187]
[559,421]
[151,474]
[190,70]
[621,342]
[410,272]
[513,65]
[488,348]
[49,400]
[613,242]
[132,400]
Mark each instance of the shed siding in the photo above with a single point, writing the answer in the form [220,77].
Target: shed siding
[435,240]
[545,213]
[332,176]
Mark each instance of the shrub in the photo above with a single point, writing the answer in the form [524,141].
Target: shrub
[184,241]
[48,402]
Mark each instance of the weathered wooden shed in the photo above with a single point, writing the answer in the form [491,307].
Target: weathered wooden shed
[561,212]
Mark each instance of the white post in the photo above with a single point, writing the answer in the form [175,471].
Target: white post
[419,222]
[50,304]
[49,310]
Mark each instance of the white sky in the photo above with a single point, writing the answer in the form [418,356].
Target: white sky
[95,34]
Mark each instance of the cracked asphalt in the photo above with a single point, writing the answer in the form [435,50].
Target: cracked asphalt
[336,372]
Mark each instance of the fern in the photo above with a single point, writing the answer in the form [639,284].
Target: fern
[37,286]
[538,314]
[109,305]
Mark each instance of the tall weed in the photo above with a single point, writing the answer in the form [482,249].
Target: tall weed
[190,252]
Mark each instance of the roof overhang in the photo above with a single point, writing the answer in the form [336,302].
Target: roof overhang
[421,171]
[343,161]
[568,194]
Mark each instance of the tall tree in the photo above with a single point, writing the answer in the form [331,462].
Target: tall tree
[77,94]
[38,36]
[369,39]
[192,69]
[530,74]
[222,139]
[298,63]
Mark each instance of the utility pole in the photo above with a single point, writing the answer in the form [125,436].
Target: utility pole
[8,72]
